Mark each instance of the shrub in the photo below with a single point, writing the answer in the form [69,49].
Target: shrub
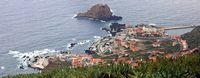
[184,67]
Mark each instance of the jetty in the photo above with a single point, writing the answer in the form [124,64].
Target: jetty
[177,27]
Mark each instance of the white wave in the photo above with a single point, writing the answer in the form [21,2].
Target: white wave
[112,11]
[70,47]
[33,53]
[97,37]
[74,16]
[101,28]
[27,57]
[84,42]
[152,24]
[13,52]
[109,24]
[109,35]
[2,67]
[102,21]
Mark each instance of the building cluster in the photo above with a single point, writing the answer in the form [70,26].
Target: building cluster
[85,60]
[140,44]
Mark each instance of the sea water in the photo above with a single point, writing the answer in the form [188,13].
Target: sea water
[31,27]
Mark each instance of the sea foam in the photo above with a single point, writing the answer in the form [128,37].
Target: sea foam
[112,11]
[102,21]
[83,42]
[152,24]
[97,37]
[25,58]
[2,67]
[70,47]
[74,16]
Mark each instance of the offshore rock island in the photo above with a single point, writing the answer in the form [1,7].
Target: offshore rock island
[99,12]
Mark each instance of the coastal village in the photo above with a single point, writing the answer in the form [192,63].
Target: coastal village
[128,51]
[130,44]
[134,45]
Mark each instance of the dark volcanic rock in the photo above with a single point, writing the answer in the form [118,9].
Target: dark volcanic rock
[100,12]
[105,29]
[116,27]
[193,37]
[89,52]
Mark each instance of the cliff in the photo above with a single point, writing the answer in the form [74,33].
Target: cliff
[193,37]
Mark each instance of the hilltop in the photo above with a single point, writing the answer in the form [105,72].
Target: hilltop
[193,37]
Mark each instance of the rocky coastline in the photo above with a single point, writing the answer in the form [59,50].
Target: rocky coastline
[143,42]
[114,28]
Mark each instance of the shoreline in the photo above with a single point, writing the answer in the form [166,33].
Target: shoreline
[101,49]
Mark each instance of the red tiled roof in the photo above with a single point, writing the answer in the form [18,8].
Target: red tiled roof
[134,49]
[168,56]
[129,61]
[96,60]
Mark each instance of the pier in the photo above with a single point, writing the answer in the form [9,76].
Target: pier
[178,27]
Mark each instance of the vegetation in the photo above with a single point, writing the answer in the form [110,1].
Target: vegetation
[192,37]
[184,67]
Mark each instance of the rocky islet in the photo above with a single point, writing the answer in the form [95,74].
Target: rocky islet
[99,12]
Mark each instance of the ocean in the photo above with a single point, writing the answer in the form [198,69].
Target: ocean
[39,26]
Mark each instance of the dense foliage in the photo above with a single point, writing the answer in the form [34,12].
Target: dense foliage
[184,67]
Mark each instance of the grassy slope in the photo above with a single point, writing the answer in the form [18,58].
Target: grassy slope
[187,67]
